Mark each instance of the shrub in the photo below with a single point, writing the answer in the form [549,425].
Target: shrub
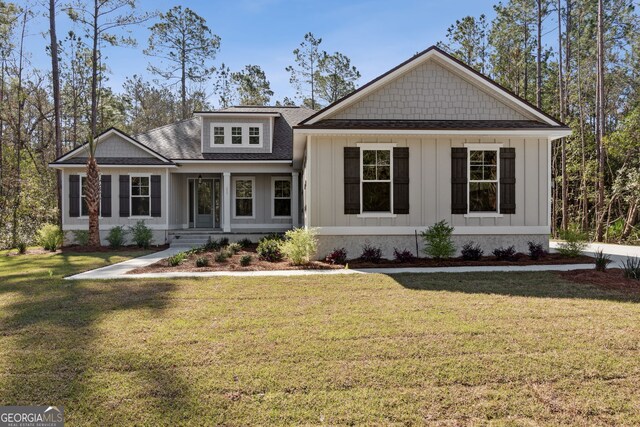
[222,256]
[337,256]
[300,245]
[371,254]
[50,237]
[245,260]
[536,250]
[81,237]
[116,237]
[202,261]
[234,247]
[505,254]
[269,250]
[631,268]
[176,259]
[141,235]
[438,242]
[602,260]
[22,248]
[272,236]
[574,242]
[212,244]
[224,241]
[402,256]
[244,243]
[471,252]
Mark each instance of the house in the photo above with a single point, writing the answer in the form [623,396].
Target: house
[429,140]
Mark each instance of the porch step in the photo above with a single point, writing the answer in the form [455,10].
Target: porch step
[189,240]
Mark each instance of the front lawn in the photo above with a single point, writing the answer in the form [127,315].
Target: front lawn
[410,349]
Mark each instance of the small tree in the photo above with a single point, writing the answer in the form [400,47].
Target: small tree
[437,241]
[252,86]
[305,73]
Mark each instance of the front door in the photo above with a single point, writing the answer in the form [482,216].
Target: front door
[204,203]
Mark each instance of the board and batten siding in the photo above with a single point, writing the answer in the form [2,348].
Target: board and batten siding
[429,182]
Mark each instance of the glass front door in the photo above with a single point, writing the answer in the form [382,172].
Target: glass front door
[204,203]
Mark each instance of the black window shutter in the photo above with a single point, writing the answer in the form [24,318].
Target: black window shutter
[508,180]
[351,180]
[74,196]
[156,191]
[105,196]
[124,195]
[458,180]
[401,180]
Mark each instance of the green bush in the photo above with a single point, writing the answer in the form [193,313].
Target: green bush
[631,268]
[22,248]
[176,259]
[81,237]
[245,260]
[269,250]
[224,241]
[141,235]
[437,241]
[574,243]
[234,247]
[245,243]
[602,260]
[50,237]
[116,237]
[202,261]
[212,244]
[222,256]
[300,245]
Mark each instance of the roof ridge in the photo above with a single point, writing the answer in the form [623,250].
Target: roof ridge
[164,126]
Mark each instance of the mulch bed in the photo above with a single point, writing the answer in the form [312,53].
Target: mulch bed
[518,259]
[230,264]
[609,279]
[86,249]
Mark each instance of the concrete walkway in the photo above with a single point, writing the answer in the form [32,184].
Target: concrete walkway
[617,253]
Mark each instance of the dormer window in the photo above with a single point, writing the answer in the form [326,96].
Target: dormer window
[237,135]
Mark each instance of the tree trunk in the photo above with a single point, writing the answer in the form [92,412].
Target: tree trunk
[93,197]
[600,123]
[55,76]
[563,141]
[539,57]
[632,214]
[183,77]
[93,180]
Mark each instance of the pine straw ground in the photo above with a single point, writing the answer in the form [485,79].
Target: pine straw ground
[409,349]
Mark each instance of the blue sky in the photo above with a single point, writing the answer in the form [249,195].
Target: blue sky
[375,34]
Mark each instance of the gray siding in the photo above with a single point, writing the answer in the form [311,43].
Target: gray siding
[116,146]
[431,91]
[262,202]
[208,139]
[430,182]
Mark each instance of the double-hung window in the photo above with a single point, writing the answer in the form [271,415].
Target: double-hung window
[140,196]
[236,135]
[254,135]
[244,197]
[483,180]
[218,135]
[281,197]
[376,180]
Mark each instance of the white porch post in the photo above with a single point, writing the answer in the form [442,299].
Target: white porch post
[295,197]
[226,202]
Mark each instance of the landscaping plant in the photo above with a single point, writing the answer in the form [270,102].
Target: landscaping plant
[116,237]
[337,256]
[81,237]
[141,234]
[212,244]
[505,254]
[202,261]
[536,250]
[574,243]
[222,256]
[631,268]
[371,254]
[300,245]
[22,248]
[244,243]
[269,250]
[471,252]
[402,256]
[50,237]
[245,260]
[234,247]
[602,260]
[437,241]
[176,259]
[224,241]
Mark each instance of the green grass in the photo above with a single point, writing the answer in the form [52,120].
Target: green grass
[507,349]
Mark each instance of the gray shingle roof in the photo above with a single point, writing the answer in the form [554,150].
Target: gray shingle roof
[181,140]
[429,124]
[107,161]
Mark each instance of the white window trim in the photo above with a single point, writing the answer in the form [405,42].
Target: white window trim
[234,179]
[273,196]
[213,135]
[378,147]
[131,196]
[228,136]
[483,147]
[83,175]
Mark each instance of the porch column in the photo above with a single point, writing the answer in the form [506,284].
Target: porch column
[295,196]
[226,202]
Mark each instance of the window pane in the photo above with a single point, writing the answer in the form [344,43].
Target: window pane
[384,157]
[282,189]
[282,207]
[476,173]
[236,135]
[490,173]
[368,173]
[490,157]
[243,188]
[376,197]
[84,209]
[244,207]
[475,157]
[368,157]
[140,206]
[482,196]
[384,172]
